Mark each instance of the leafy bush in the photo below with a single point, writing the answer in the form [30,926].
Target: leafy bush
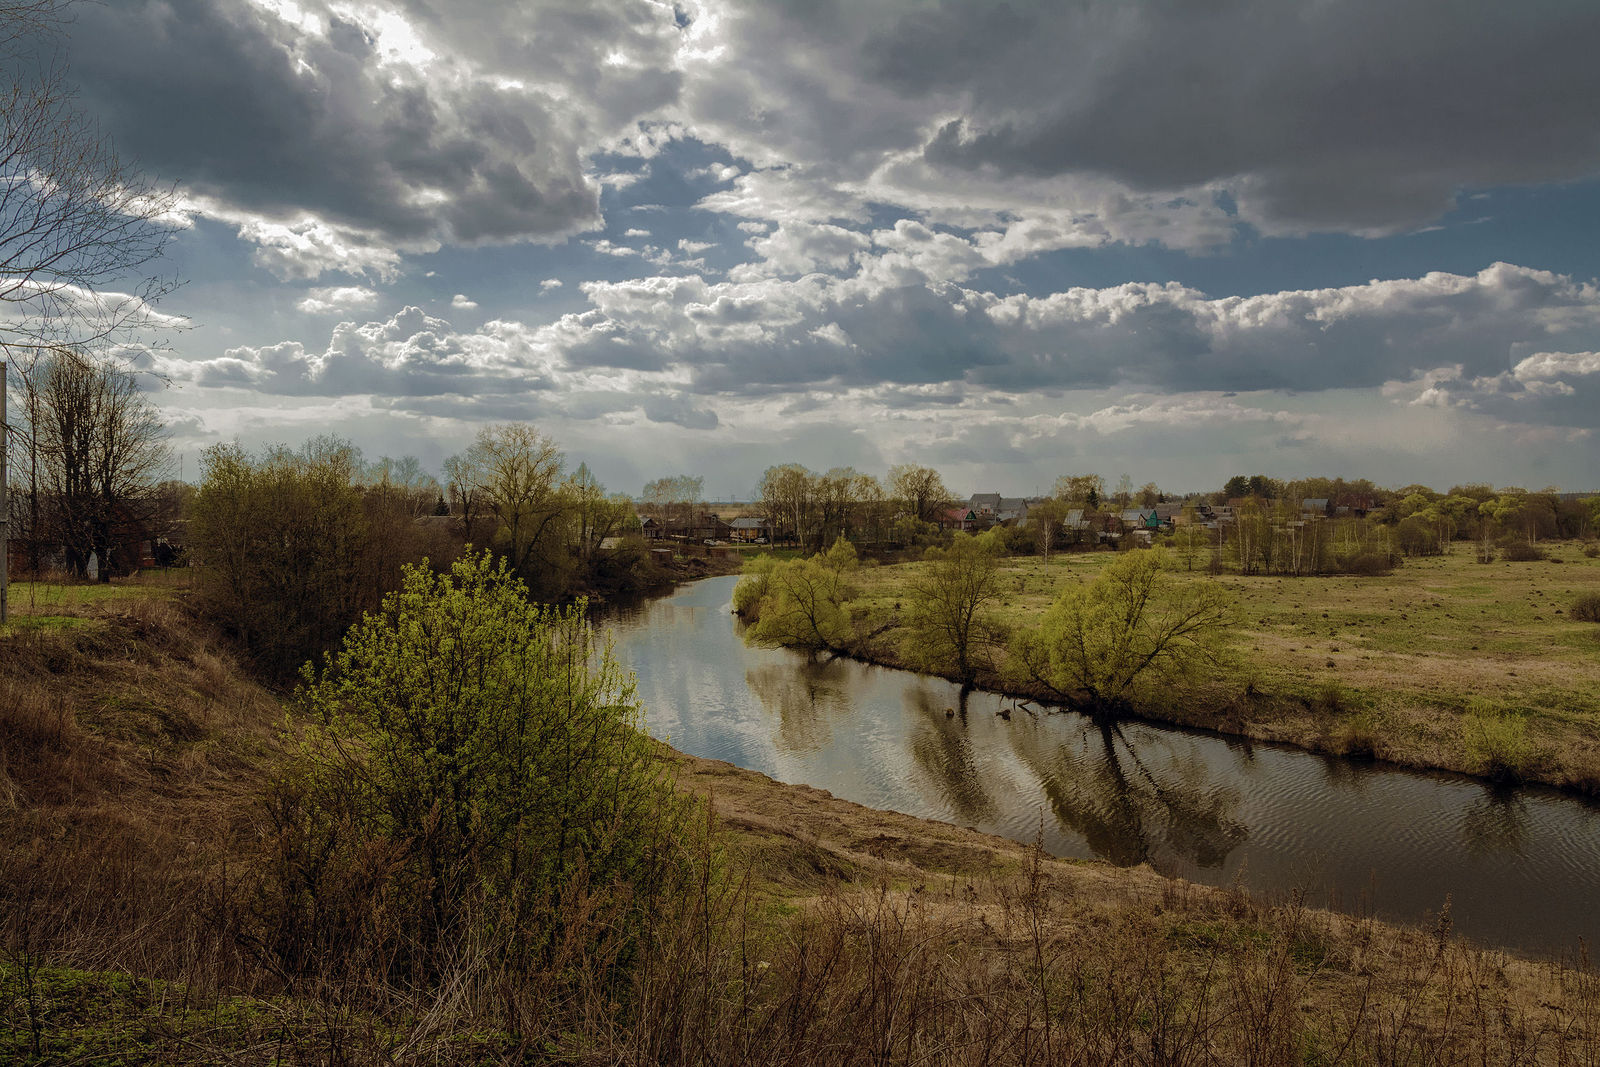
[1519,551]
[472,764]
[1496,740]
[1586,608]
[754,586]
[1019,540]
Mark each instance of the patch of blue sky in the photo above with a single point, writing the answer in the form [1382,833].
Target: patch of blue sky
[1540,227]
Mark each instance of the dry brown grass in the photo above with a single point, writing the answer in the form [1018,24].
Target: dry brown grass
[131,756]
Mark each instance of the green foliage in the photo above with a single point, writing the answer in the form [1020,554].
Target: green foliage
[1496,740]
[1099,642]
[1418,537]
[754,586]
[948,625]
[470,762]
[805,603]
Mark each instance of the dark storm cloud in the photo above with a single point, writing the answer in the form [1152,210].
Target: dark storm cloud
[1355,115]
[271,119]
[1364,114]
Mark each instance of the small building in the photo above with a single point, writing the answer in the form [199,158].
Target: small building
[1012,511]
[984,503]
[959,519]
[749,529]
[709,527]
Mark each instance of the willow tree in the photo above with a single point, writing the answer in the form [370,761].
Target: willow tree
[950,626]
[1099,644]
[802,604]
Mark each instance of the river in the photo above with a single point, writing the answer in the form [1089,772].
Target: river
[1520,868]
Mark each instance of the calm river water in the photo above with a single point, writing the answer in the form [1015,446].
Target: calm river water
[1521,869]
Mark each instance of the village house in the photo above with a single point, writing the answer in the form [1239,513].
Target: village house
[963,519]
[750,529]
[984,504]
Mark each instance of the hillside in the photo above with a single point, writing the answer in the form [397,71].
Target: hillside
[134,761]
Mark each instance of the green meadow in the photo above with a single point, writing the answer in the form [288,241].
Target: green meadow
[1444,663]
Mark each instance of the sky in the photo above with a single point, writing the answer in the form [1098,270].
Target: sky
[1178,239]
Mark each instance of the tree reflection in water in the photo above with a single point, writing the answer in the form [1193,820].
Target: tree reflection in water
[941,746]
[1497,822]
[805,696]
[1128,811]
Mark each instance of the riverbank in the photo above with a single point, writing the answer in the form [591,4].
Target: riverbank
[1446,664]
[135,753]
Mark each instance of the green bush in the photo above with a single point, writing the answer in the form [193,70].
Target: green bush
[754,586]
[1359,736]
[283,549]
[1496,741]
[1586,608]
[471,766]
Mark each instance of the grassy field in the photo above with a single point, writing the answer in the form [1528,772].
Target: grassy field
[1446,663]
[54,605]
[134,756]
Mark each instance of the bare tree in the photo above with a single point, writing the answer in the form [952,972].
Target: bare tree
[920,489]
[788,497]
[78,227]
[595,514]
[516,470]
[466,500]
[950,627]
[101,451]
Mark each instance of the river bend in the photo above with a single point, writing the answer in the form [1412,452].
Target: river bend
[1521,868]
